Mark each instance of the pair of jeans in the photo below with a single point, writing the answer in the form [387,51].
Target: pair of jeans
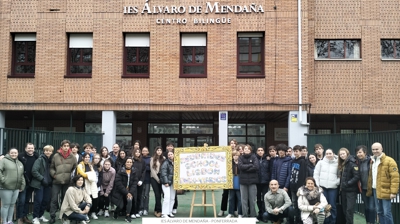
[145,197]
[127,204]
[369,207]
[331,196]
[348,203]
[234,195]
[41,200]
[8,199]
[262,189]
[275,218]
[57,189]
[296,210]
[74,216]
[23,201]
[384,209]
[224,201]
[169,199]
[138,199]
[157,194]
[248,198]
[104,201]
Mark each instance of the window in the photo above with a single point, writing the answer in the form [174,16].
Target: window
[337,49]
[250,55]
[320,131]
[80,55]
[252,134]
[24,55]
[390,49]
[193,56]
[351,131]
[136,55]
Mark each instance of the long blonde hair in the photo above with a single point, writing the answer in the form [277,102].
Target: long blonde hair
[341,162]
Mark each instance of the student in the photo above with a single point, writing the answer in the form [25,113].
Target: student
[363,161]
[75,152]
[277,203]
[136,145]
[234,194]
[319,152]
[88,149]
[155,165]
[105,156]
[248,178]
[97,168]
[146,184]
[27,158]
[107,184]
[311,163]
[282,167]
[349,177]
[311,203]
[297,179]
[120,162]
[170,148]
[62,165]
[225,192]
[140,168]
[41,182]
[326,177]
[125,187]
[77,202]
[272,155]
[86,170]
[11,172]
[167,180]
[304,151]
[263,180]
[383,182]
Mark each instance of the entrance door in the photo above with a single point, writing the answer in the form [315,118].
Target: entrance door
[162,141]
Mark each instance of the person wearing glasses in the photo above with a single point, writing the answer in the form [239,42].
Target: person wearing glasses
[383,183]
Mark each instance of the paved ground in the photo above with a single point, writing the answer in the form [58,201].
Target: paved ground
[184,209]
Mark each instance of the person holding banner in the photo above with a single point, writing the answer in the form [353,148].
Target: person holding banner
[234,194]
[166,179]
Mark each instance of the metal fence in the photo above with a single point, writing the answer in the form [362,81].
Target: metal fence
[390,141]
[18,138]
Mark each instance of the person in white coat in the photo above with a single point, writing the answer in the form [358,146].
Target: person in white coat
[326,177]
[311,202]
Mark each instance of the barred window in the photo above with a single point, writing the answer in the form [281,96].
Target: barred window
[24,55]
[390,49]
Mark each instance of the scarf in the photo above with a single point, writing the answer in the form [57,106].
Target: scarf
[311,195]
[65,154]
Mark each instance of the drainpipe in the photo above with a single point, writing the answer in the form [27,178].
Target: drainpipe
[299,62]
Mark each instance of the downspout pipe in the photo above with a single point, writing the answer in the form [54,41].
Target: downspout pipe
[299,16]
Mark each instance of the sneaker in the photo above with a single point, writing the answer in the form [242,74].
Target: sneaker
[133,216]
[174,211]
[106,214]
[240,216]
[171,215]
[83,222]
[43,219]
[229,216]
[257,220]
[100,213]
[140,212]
[145,213]
[36,221]
[94,216]
[65,221]
[138,215]
[128,218]
[221,213]
[87,219]
[165,216]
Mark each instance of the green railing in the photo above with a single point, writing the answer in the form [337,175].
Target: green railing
[18,138]
[390,141]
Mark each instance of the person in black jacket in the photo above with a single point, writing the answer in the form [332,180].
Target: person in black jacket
[140,167]
[248,178]
[349,177]
[125,187]
[311,163]
[27,158]
[264,178]
[298,175]
[166,179]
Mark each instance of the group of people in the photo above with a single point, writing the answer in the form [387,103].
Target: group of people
[283,182]
[304,187]
[88,184]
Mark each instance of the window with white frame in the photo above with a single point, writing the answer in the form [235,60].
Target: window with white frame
[24,55]
[137,55]
[337,49]
[193,55]
[390,49]
[80,54]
